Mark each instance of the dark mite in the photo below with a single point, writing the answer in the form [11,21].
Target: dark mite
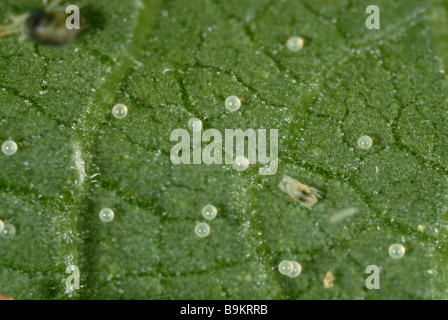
[45,26]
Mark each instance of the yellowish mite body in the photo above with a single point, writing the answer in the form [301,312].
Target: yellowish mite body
[329,280]
[305,195]
[46,26]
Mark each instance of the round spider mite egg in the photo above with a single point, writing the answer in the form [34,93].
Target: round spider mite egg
[396,251]
[248,277]
[2,225]
[295,44]
[9,147]
[119,111]
[365,142]
[209,212]
[106,215]
[202,230]
[9,231]
[233,103]
[241,163]
[297,269]
[286,267]
[195,124]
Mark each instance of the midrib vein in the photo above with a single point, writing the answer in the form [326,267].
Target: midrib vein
[85,134]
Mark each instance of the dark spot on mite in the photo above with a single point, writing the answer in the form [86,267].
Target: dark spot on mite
[36,19]
[303,197]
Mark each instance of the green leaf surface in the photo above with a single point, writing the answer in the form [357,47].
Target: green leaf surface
[170,61]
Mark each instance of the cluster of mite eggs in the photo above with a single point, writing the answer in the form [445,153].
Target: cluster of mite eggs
[293,269]
[232,103]
[308,196]
[202,229]
[288,268]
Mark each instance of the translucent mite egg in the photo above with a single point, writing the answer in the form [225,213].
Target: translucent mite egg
[241,163]
[2,225]
[107,215]
[202,230]
[195,124]
[297,269]
[9,147]
[396,251]
[365,142]
[233,103]
[286,267]
[295,44]
[421,227]
[248,277]
[209,212]
[120,111]
[8,231]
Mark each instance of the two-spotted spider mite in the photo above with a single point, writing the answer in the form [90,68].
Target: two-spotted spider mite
[45,26]
[305,195]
